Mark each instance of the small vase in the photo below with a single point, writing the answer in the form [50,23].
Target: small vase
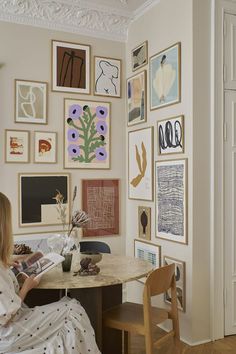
[66,264]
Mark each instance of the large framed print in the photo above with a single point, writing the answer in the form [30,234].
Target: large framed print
[140,169]
[37,205]
[137,98]
[180,282]
[139,56]
[70,67]
[171,200]
[165,77]
[170,133]
[87,134]
[31,101]
[107,77]
[17,146]
[45,147]
[100,200]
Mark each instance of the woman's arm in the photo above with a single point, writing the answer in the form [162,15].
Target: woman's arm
[29,283]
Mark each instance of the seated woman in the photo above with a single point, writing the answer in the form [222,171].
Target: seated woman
[60,327]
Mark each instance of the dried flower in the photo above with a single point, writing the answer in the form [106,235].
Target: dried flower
[61,208]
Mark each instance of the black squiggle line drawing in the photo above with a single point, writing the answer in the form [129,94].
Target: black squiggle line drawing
[170,136]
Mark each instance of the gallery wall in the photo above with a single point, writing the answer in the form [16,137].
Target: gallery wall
[26,55]
[166,24]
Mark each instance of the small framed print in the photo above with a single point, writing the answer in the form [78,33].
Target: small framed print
[136,99]
[31,101]
[107,78]
[17,146]
[45,147]
[170,133]
[70,67]
[139,56]
[144,222]
[165,77]
[180,282]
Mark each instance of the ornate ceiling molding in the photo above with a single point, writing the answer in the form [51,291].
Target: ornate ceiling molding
[78,16]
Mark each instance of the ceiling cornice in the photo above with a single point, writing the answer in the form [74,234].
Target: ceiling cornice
[76,16]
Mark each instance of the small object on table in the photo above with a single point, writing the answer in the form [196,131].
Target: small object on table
[94,256]
[66,264]
[87,268]
[21,248]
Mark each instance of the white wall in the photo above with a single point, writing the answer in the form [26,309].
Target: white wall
[26,54]
[165,24]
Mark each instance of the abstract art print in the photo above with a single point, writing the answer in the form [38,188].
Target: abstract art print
[87,134]
[107,77]
[180,282]
[100,199]
[16,146]
[140,179]
[70,67]
[170,134]
[139,56]
[136,99]
[45,147]
[165,77]
[144,222]
[37,205]
[31,101]
[171,198]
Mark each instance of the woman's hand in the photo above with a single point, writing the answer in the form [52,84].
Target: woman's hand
[29,283]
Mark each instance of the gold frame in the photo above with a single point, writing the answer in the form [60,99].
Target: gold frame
[143,72]
[94,77]
[148,211]
[87,48]
[28,145]
[181,118]
[68,175]
[145,43]
[56,140]
[178,44]
[152,155]
[34,121]
[185,237]
[183,309]
[87,168]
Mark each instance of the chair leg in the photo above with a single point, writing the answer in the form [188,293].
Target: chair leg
[126,336]
[148,345]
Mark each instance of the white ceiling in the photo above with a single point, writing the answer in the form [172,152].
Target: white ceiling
[99,18]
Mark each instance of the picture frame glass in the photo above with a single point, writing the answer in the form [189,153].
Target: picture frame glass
[144,222]
[107,77]
[139,56]
[16,146]
[170,133]
[45,147]
[136,99]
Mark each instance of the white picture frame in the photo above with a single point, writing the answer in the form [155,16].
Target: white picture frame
[170,135]
[17,146]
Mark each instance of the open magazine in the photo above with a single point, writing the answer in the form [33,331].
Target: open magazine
[37,264]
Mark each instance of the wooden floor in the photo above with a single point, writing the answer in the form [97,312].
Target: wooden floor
[223,346]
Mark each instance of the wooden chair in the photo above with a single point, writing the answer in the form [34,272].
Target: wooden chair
[98,246]
[142,319]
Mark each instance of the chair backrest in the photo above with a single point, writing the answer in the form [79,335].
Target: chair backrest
[97,246]
[160,280]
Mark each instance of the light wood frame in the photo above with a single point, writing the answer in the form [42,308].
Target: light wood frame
[37,158]
[178,86]
[145,46]
[44,104]
[177,146]
[76,46]
[147,234]
[109,82]
[26,156]
[142,110]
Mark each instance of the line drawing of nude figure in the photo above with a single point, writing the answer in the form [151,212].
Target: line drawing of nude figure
[164,79]
[105,82]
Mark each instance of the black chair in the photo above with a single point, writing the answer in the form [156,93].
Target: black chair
[97,246]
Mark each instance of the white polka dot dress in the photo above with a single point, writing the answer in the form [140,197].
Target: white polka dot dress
[62,327]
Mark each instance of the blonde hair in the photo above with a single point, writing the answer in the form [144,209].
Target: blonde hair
[6,239]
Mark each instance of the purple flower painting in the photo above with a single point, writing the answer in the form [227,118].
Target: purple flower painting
[87,134]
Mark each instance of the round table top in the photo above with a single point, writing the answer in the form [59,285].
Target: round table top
[114,269]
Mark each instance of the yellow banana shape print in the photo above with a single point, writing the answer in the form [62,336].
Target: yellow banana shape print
[142,165]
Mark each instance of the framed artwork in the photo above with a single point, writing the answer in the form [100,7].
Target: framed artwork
[170,134]
[45,147]
[144,222]
[107,78]
[17,146]
[70,67]
[139,56]
[149,252]
[140,169]
[31,101]
[180,282]
[165,77]
[87,134]
[136,99]
[100,199]
[171,199]
[37,206]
